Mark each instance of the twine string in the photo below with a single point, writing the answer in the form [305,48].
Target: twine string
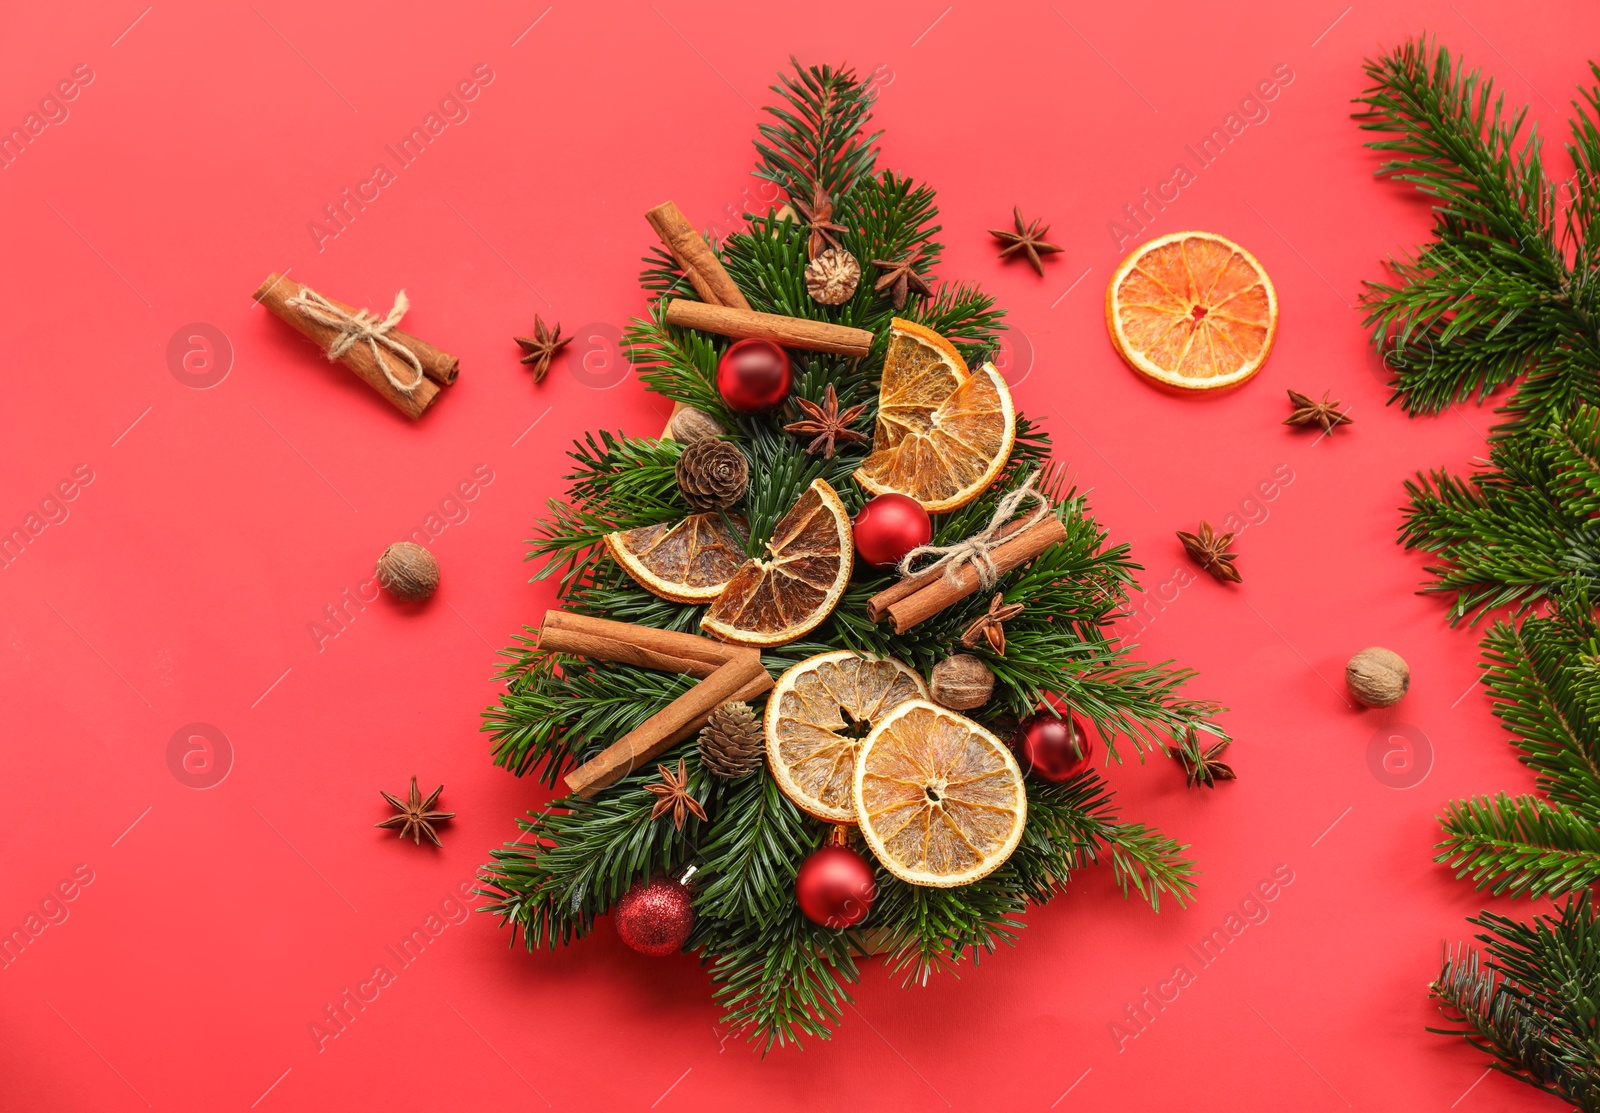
[361,326]
[977,550]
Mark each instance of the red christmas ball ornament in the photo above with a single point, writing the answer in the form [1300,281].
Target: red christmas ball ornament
[754,375]
[889,527]
[1054,748]
[655,916]
[835,887]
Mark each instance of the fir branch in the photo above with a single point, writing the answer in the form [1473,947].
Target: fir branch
[677,363]
[548,719]
[1529,999]
[749,860]
[620,483]
[818,139]
[1521,529]
[934,930]
[1520,845]
[584,855]
[1493,298]
[1545,682]
[1073,824]
[780,980]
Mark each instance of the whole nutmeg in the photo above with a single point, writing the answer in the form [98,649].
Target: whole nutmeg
[712,473]
[1378,677]
[689,425]
[961,682]
[408,571]
[831,277]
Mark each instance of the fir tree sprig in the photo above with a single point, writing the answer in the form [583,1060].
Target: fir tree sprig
[1520,530]
[1493,297]
[816,137]
[1505,293]
[1530,998]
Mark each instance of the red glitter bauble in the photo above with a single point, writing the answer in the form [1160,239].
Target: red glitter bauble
[889,527]
[835,887]
[655,917]
[1054,748]
[753,375]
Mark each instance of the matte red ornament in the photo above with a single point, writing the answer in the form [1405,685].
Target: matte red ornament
[835,887]
[889,527]
[655,917]
[1054,748]
[754,375]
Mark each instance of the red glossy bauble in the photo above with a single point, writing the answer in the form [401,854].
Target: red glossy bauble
[889,527]
[835,887]
[655,917]
[1054,748]
[754,375]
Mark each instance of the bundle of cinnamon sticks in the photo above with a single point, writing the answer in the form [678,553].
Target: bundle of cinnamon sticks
[921,596]
[376,365]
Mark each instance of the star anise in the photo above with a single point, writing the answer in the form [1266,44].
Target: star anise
[1210,551]
[1028,239]
[825,425]
[541,347]
[819,214]
[1204,767]
[1324,413]
[990,626]
[672,793]
[899,278]
[416,816]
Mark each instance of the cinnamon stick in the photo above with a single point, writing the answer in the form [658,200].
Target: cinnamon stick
[673,723]
[879,604]
[605,640]
[791,332]
[700,264]
[437,367]
[940,592]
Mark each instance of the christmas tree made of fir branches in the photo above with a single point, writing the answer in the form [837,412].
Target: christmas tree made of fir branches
[777,975]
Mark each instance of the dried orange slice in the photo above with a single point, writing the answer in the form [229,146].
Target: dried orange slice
[688,562]
[943,432]
[775,601]
[1192,310]
[817,715]
[939,799]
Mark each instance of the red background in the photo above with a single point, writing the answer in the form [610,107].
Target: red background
[220,522]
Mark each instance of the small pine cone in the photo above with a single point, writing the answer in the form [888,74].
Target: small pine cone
[831,277]
[690,424]
[733,741]
[962,682]
[712,473]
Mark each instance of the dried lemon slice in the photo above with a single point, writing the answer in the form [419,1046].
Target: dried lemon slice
[939,799]
[818,713]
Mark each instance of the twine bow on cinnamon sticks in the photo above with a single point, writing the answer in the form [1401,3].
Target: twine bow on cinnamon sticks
[978,562]
[362,325]
[978,550]
[409,372]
